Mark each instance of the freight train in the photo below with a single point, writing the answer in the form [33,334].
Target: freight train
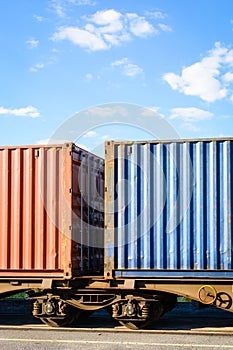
[130,233]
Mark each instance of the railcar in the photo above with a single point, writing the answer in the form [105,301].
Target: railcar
[129,233]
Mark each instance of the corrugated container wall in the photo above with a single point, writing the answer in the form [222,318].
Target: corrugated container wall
[169,208]
[42,208]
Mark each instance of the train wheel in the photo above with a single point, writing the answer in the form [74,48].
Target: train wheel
[73,315]
[58,322]
[135,324]
[143,315]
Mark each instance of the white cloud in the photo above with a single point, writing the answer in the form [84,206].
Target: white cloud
[63,7]
[139,26]
[90,133]
[190,114]
[54,50]
[120,62]
[36,67]
[29,111]
[105,29]
[32,43]
[86,2]
[129,69]
[164,27]
[116,39]
[153,111]
[59,7]
[81,145]
[89,76]
[207,78]
[156,14]
[39,18]
[82,38]
[109,21]
[228,77]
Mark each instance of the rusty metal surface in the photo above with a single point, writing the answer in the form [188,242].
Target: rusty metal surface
[88,212]
[36,201]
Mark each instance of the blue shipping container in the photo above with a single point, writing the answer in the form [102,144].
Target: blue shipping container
[169,207]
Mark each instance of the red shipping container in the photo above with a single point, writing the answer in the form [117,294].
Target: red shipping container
[51,211]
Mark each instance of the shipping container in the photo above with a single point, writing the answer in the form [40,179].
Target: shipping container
[51,211]
[169,207]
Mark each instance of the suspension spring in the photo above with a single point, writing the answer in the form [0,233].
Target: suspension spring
[146,311]
[36,308]
[115,310]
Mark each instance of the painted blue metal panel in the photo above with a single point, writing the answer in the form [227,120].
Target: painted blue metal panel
[174,205]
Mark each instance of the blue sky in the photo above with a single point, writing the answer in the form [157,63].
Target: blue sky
[59,57]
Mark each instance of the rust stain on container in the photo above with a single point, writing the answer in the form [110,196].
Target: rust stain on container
[39,221]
